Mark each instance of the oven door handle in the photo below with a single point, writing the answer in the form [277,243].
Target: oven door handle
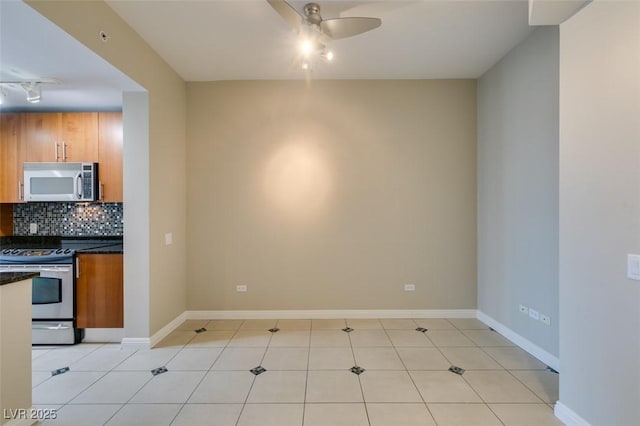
[49,326]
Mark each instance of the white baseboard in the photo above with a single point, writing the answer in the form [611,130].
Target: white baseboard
[568,416]
[135,343]
[535,350]
[167,329]
[333,314]
[103,335]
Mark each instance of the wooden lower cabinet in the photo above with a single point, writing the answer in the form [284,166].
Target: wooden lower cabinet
[99,291]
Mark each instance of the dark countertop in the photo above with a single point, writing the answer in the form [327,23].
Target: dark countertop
[94,245]
[12,277]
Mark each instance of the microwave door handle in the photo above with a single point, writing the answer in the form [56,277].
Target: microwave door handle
[79,186]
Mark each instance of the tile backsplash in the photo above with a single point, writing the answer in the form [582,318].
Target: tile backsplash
[69,219]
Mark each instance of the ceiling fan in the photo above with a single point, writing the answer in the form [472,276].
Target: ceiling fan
[316,32]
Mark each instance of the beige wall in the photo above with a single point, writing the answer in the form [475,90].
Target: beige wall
[332,195]
[154,272]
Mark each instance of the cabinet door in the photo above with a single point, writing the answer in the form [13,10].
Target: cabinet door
[42,136]
[79,137]
[110,156]
[99,291]
[12,155]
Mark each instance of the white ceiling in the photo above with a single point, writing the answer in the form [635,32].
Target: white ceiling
[205,40]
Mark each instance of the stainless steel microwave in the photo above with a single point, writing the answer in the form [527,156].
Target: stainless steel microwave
[60,182]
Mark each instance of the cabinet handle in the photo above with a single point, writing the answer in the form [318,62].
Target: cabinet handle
[64,151]
[77,267]
[20,191]
[101,192]
[56,152]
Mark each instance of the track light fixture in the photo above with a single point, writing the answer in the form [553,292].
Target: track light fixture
[32,88]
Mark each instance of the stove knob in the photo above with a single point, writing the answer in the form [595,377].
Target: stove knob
[15,251]
[6,251]
[67,251]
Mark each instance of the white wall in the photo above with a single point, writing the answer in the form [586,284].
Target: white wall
[600,214]
[518,188]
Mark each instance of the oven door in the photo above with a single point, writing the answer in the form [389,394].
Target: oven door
[51,292]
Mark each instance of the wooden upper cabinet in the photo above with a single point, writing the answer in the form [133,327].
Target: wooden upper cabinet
[62,136]
[12,155]
[110,156]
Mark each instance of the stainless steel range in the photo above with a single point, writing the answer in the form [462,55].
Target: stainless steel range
[53,305]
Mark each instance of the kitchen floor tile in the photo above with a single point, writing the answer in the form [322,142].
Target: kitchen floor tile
[37,351]
[225,387]
[514,358]
[63,388]
[116,387]
[378,358]
[246,338]
[38,377]
[463,415]
[487,338]
[409,338]
[449,338]
[333,386]
[369,338]
[470,358]
[271,415]
[145,414]
[499,386]
[364,324]
[331,359]
[468,324]
[203,415]
[105,358]
[243,359]
[335,415]
[59,358]
[330,338]
[434,324]
[211,339]
[398,324]
[193,325]
[170,387]
[443,386]
[258,324]
[177,338]
[423,359]
[224,324]
[399,415]
[328,324]
[290,338]
[525,414]
[278,386]
[294,324]
[286,359]
[194,359]
[148,359]
[542,382]
[85,414]
[388,386]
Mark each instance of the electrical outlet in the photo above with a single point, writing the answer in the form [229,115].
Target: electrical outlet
[168,238]
[633,267]
[545,319]
[409,287]
[241,288]
[524,309]
[534,314]
[33,228]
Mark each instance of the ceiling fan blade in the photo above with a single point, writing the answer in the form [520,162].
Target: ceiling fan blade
[287,12]
[347,27]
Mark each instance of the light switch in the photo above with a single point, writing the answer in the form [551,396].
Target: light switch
[633,266]
[168,238]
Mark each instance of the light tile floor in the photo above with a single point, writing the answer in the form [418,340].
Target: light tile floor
[308,379]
